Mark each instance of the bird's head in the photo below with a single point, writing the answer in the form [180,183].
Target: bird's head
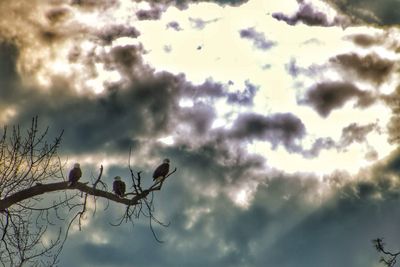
[166,161]
[77,165]
[117,178]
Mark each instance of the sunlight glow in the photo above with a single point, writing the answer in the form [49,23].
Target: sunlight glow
[169,140]
[7,114]
[242,198]
[98,238]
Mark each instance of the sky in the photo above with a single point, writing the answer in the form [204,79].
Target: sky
[280,116]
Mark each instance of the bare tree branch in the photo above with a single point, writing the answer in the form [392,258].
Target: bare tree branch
[34,224]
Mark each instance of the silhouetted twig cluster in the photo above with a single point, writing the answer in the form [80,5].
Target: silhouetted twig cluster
[388,258]
[27,163]
[144,206]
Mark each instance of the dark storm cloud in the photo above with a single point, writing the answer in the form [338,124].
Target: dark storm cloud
[125,59]
[8,72]
[384,12]
[258,38]
[108,121]
[277,129]
[57,14]
[327,96]
[116,118]
[393,101]
[353,133]
[319,145]
[145,105]
[243,98]
[292,68]
[200,23]
[213,90]
[94,4]
[281,128]
[371,67]
[112,32]
[356,133]
[207,89]
[367,40]
[308,15]
[393,163]
[209,157]
[174,25]
[149,14]
[231,2]
[200,117]
[295,70]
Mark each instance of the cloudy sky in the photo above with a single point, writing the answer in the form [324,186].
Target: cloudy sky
[281,117]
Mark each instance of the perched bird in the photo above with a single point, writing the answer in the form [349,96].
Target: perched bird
[161,171]
[119,186]
[74,175]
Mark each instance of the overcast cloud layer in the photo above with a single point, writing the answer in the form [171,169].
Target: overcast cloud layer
[281,117]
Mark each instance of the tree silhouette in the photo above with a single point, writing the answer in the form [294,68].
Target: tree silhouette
[33,228]
[388,258]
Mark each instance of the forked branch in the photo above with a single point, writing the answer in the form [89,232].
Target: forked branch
[388,258]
